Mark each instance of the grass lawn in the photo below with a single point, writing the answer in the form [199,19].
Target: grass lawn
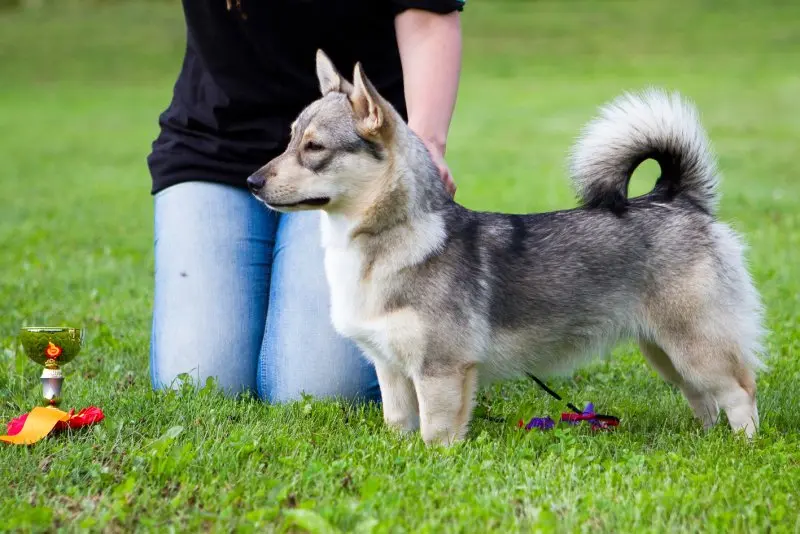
[81,84]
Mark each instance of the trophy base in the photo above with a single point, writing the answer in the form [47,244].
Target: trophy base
[52,380]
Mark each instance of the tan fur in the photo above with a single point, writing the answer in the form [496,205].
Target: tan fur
[370,109]
[388,209]
[468,394]
[696,354]
[703,404]
[399,398]
[445,404]
[309,134]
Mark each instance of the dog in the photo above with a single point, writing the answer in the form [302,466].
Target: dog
[444,300]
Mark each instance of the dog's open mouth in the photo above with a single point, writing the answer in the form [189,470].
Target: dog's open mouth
[315,201]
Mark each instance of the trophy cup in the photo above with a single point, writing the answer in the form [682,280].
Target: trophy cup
[51,347]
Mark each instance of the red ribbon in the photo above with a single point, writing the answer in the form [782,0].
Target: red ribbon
[87,416]
[598,422]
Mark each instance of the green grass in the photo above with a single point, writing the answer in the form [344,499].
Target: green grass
[80,89]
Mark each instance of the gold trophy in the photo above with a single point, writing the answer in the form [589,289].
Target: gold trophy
[51,347]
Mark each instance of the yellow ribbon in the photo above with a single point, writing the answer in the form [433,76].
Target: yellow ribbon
[39,423]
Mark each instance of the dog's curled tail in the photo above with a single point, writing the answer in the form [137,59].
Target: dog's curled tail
[634,128]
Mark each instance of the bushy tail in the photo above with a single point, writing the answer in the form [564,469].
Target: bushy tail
[637,127]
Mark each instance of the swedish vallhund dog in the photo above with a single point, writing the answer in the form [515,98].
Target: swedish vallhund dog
[444,300]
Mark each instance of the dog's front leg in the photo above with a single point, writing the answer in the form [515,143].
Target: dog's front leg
[446,399]
[400,410]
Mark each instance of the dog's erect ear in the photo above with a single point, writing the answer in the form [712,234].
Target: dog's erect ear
[329,78]
[367,103]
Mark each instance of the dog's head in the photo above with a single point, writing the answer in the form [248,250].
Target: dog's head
[340,150]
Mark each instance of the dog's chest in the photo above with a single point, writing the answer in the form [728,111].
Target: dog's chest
[363,280]
[343,269]
[356,304]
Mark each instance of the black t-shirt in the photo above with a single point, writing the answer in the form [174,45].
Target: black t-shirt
[248,71]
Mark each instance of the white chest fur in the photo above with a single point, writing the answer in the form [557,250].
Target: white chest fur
[349,296]
[358,303]
[355,305]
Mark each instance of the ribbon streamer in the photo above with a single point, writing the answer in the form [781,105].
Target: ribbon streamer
[598,421]
[32,427]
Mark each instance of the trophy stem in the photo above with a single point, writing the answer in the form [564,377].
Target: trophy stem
[52,380]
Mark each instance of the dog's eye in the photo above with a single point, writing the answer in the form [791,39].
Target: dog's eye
[312,146]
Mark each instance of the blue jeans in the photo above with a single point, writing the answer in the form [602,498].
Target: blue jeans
[241,296]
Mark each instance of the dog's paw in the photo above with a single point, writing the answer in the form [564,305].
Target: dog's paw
[404,424]
[443,437]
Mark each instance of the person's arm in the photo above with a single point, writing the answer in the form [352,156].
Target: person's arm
[430,52]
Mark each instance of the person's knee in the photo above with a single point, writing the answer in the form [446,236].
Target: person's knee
[301,352]
[188,360]
[336,372]
[210,286]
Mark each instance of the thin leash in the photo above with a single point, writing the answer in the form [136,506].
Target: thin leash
[608,419]
[553,393]
[605,418]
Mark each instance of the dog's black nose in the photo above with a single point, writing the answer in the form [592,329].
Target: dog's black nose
[255,182]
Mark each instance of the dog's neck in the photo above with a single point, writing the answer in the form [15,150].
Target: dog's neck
[409,192]
[390,250]
[416,167]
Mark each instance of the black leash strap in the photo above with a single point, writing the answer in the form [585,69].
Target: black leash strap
[610,419]
[554,394]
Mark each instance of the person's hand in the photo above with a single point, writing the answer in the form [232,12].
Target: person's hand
[437,153]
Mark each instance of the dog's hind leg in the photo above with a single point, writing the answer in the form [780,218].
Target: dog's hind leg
[703,404]
[446,400]
[738,398]
[708,323]
[717,369]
